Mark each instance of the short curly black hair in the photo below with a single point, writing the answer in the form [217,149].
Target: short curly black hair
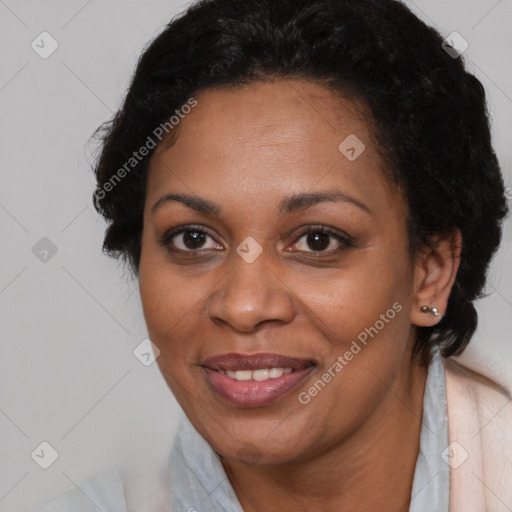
[429,113]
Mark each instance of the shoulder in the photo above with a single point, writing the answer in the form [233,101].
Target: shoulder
[142,491]
[149,490]
[488,401]
[475,389]
[480,433]
[101,491]
[478,382]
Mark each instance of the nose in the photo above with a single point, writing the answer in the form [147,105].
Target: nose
[249,295]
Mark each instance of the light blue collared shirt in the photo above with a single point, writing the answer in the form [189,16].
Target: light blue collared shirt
[200,484]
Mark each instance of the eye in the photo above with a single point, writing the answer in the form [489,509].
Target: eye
[322,240]
[315,240]
[189,239]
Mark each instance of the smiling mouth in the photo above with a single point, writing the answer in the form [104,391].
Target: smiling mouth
[255,380]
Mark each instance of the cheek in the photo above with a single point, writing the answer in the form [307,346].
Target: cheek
[175,307]
[170,304]
[364,316]
[167,298]
[346,301]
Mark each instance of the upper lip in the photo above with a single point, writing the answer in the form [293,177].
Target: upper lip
[236,361]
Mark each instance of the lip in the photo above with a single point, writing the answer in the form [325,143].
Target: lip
[236,361]
[255,393]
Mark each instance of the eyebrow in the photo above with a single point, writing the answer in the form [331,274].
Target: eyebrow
[288,205]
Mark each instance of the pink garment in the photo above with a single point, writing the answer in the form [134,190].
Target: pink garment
[480,436]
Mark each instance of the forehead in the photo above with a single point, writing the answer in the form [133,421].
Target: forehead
[265,137]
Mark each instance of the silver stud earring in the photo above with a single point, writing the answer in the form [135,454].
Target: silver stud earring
[433,311]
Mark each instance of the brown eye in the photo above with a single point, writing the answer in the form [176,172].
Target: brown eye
[189,239]
[321,240]
[318,241]
[193,239]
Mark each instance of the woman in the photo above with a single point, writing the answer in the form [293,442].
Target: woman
[308,195]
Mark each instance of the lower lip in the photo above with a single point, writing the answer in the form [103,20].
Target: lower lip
[251,393]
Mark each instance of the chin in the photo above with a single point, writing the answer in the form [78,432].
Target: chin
[257,450]
[249,454]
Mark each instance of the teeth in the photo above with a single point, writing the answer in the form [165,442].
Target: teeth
[257,375]
[243,375]
[261,374]
[276,372]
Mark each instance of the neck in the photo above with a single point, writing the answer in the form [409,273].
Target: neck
[371,470]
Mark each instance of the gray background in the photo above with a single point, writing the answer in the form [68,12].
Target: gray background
[70,324]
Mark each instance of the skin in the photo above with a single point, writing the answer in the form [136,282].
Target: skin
[354,445]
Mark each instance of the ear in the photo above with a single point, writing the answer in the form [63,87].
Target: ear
[434,274]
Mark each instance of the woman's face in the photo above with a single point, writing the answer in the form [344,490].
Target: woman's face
[281,304]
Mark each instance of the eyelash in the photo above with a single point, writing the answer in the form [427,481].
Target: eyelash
[345,240]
